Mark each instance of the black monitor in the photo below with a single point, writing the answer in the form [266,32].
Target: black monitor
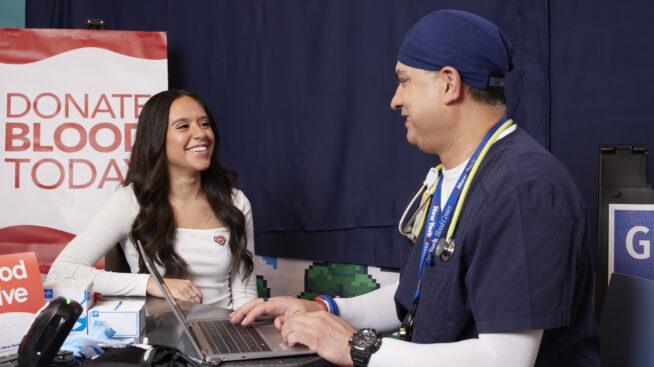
[625,198]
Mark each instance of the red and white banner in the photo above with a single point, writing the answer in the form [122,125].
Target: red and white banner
[69,104]
[21,297]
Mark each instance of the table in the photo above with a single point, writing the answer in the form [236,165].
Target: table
[163,328]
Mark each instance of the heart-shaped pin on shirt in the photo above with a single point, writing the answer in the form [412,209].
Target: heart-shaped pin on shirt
[220,240]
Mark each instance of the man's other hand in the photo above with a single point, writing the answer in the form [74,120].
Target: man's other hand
[326,334]
[274,307]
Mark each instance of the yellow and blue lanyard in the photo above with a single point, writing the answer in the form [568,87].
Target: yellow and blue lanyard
[438,218]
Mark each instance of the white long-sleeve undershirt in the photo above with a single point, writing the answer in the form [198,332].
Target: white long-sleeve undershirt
[377,310]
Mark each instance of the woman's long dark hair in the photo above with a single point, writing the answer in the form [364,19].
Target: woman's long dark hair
[155,223]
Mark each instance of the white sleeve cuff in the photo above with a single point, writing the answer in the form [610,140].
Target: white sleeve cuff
[518,348]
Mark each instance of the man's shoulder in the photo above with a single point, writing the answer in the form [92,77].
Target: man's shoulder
[519,163]
[520,158]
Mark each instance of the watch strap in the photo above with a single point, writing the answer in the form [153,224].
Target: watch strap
[360,358]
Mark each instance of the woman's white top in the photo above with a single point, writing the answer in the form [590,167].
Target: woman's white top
[206,251]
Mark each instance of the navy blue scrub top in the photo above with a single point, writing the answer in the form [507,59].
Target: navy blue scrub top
[522,260]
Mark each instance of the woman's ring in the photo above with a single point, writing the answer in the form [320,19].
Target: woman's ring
[190,298]
[265,299]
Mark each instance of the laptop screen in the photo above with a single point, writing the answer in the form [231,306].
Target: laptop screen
[162,284]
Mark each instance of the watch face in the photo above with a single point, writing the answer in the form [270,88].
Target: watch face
[364,339]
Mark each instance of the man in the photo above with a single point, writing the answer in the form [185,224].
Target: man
[502,275]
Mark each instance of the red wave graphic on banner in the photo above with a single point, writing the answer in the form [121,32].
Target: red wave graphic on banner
[44,241]
[22,46]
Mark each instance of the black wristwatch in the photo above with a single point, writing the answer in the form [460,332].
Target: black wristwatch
[363,343]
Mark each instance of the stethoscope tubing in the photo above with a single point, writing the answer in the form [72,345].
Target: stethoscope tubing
[429,186]
[427,190]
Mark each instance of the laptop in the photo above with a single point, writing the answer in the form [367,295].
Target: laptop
[216,339]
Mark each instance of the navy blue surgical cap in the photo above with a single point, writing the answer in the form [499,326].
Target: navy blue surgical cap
[475,47]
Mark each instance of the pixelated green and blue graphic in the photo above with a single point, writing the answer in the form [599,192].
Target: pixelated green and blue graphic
[336,279]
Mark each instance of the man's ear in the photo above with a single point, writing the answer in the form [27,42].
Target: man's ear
[454,85]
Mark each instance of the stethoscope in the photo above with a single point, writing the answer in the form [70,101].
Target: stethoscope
[443,248]
[413,226]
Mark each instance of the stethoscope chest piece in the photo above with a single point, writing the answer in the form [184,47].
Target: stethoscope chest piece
[445,248]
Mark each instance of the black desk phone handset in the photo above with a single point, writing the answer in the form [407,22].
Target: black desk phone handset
[48,332]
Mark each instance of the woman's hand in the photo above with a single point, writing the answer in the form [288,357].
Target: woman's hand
[276,306]
[181,289]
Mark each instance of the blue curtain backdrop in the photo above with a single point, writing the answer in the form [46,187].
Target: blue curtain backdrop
[301,92]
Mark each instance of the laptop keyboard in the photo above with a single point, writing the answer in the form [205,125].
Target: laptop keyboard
[224,337]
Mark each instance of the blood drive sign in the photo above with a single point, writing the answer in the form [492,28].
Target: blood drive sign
[69,104]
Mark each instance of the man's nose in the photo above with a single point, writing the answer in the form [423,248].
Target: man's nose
[396,102]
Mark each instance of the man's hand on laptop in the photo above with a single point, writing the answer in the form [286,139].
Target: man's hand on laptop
[322,332]
[181,289]
[274,307]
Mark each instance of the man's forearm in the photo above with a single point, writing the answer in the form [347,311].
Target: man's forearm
[375,309]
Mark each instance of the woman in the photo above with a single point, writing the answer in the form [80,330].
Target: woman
[178,200]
